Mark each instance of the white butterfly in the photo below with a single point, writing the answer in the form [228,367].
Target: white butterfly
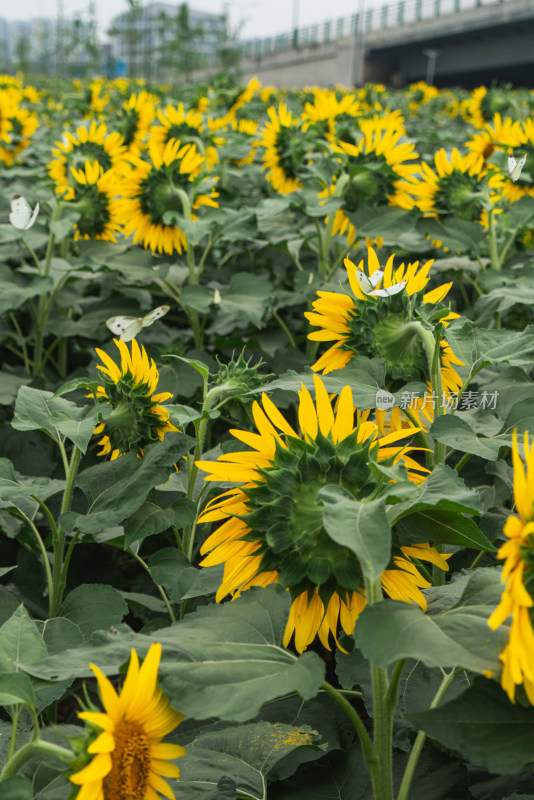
[128,327]
[515,167]
[22,216]
[367,285]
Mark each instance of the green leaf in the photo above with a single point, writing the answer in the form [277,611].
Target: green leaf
[94,607]
[16,688]
[21,641]
[17,787]
[224,660]
[361,527]
[246,300]
[443,490]
[458,637]
[9,386]
[198,365]
[390,223]
[151,519]
[61,634]
[197,297]
[484,727]
[454,432]
[116,489]
[173,570]
[14,488]
[477,347]
[456,234]
[36,409]
[61,228]
[12,296]
[442,527]
[248,753]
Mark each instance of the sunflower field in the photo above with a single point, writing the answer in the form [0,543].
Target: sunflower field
[266,442]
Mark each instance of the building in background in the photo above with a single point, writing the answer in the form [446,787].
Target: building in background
[44,46]
[160,41]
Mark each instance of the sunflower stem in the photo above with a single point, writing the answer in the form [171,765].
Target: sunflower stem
[32,749]
[158,586]
[22,340]
[383,707]
[411,766]
[494,253]
[59,575]
[284,327]
[367,747]
[44,554]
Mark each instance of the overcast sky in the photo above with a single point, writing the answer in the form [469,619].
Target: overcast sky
[257,17]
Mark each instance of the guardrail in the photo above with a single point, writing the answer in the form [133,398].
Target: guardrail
[367,20]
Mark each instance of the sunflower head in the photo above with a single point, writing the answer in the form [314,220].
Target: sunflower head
[378,317]
[273,529]
[127,757]
[518,576]
[92,193]
[137,417]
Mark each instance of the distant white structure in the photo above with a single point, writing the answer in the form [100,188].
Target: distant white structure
[144,36]
[46,45]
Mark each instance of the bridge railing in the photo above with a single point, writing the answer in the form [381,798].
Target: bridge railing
[378,17]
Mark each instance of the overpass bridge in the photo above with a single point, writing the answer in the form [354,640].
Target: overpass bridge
[452,42]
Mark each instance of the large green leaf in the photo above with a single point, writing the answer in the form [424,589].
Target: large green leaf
[245,301]
[477,347]
[455,233]
[152,518]
[484,727]
[442,527]
[12,296]
[449,429]
[17,491]
[93,607]
[443,490]
[116,489]
[36,409]
[18,787]
[222,660]
[457,637]
[361,527]
[247,754]
[21,641]
[9,386]
[16,688]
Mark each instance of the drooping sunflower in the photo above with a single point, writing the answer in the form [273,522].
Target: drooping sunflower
[135,118]
[484,103]
[285,149]
[272,525]
[185,126]
[130,760]
[92,143]
[17,124]
[92,193]
[518,574]
[359,323]
[138,418]
[501,133]
[419,94]
[379,169]
[151,187]
[455,186]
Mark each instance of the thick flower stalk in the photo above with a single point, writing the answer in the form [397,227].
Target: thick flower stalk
[138,418]
[517,599]
[129,759]
[272,522]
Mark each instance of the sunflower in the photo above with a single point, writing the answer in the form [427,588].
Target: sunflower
[499,134]
[378,169]
[419,94]
[272,525]
[359,323]
[135,118]
[285,149]
[92,193]
[138,418]
[87,144]
[185,126]
[514,191]
[518,574]
[149,190]
[455,187]
[17,124]
[331,116]
[130,760]
[484,103]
